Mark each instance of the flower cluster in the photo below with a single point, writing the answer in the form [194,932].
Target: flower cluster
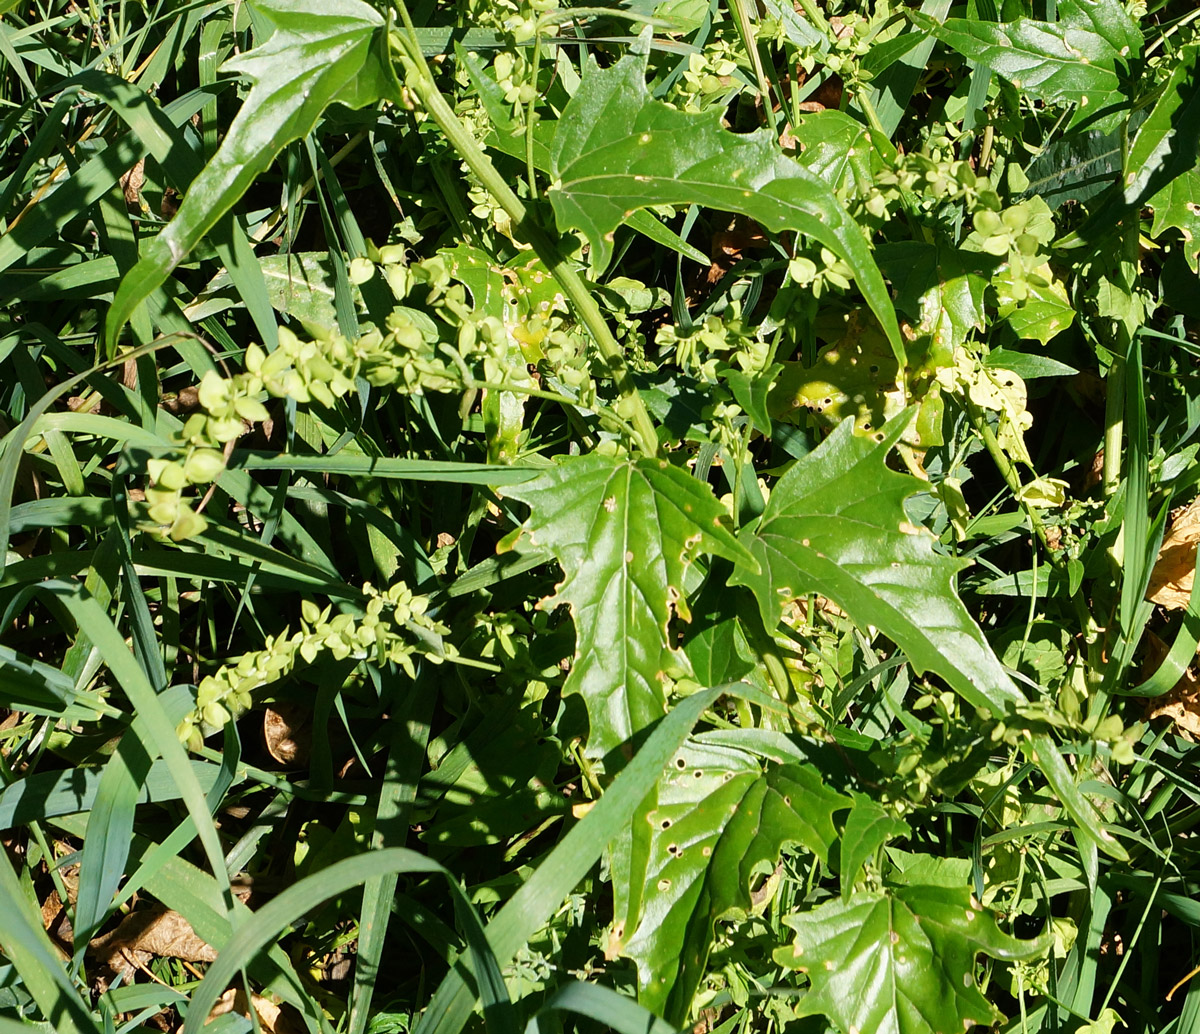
[719,343]
[929,179]
[394,628]
[708,77]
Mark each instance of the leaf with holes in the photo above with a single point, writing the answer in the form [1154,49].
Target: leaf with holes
[616,151]
[835,525]
[716,824]
[1106,19]
[319,51]
[900,961]
[624,532]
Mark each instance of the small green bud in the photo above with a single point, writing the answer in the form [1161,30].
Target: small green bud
[188,524]
[1015,218]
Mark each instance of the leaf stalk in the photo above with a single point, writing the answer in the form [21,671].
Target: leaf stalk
[419,80]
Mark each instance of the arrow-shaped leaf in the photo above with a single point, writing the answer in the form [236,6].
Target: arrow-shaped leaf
[835,525]
[624,532]
[320,51]
[617,150]
[901,961]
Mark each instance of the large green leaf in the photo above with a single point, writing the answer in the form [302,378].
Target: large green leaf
[901,961]
[617,150]
[320,51]
[835,524]
[716,823]
[624,532]
[1054,63]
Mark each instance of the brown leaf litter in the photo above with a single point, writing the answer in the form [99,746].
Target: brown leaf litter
[1171,588]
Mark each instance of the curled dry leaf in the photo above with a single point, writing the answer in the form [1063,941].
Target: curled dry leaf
[150,933]
[1181,705]
[1171,579]
[287,733]
[271,1018]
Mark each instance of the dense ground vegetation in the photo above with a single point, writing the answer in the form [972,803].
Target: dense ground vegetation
[651,515]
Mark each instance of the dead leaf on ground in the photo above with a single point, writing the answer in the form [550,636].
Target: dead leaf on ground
[287,733]
[150,933]
[56,924]
[272,1018]
[1171,579]
[729,247]
[131,185]
[1181,705]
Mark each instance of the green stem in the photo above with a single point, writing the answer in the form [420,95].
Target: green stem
[862,98]
[1114,402]
[746,29]
[1012,478]
[419,80]
[817,18]
[530,169]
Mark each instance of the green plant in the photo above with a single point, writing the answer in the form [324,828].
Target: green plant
[714,458]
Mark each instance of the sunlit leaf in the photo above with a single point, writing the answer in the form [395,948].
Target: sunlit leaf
[900,961]
[617,150]
[624,532]
[715,828]
[1167,142]
[835,525]
[1050,62]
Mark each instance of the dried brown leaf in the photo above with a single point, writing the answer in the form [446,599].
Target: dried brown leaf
[148,933]
[1171,579]
[1181,705]
[287,733]
[272,1019]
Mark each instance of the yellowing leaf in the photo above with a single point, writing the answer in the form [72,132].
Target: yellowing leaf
[1174,571]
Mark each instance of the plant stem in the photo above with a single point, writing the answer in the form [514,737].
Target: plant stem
[1012,478]
[817,18]
[530,169]
[420,81]
[746,29]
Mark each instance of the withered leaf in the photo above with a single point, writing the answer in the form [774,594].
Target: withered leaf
[1171,579]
